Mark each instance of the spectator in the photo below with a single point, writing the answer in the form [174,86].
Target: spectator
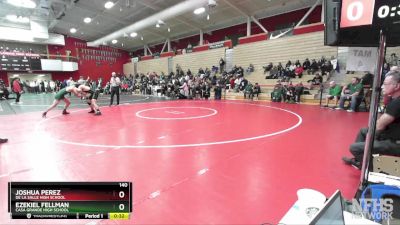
[288,64]
[267,68]
[206,91]
[232,83]
[367,79]
[280,67]
[313,67]
[317,80]
[42,87]
[276,94]
[248,91]
[386,68]
[273,73]
[70,82]
[221,65]
[256,91]
[387,135]
[297,63]
[306,64]
[352,92]
[218,92]
[289,93]
[250,69]
[298,71]
[333,93]
[243,84]
[17,89]
[326,68]
[394,60]
[298,91]
[3,90]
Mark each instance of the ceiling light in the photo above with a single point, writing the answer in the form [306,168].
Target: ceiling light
[208,17]
[157,25]
[122,44]
[72,30]
[133,34]
[87,20]
[160,22]
[22,3]
[141,38]
[17,19]
[109,5]
[199,10]
[114,41]
[169,29]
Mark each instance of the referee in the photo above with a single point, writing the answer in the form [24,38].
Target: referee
[115,83]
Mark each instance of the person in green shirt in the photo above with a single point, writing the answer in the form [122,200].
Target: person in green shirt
[276,94]
[333,93]
[60,95]
[248,91]
[352,92]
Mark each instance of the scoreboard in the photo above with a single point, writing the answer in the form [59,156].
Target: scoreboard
[70,200]
[19,61]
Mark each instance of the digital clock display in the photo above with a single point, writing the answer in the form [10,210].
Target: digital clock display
[386,13]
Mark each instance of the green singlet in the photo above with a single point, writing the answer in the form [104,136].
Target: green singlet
[61,94]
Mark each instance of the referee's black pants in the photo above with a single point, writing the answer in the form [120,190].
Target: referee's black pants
[114,90]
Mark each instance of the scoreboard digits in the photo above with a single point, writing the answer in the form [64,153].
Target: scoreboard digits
[70,200]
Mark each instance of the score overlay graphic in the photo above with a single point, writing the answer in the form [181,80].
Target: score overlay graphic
[70,200]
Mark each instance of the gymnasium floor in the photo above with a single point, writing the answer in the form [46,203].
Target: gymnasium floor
[191,161]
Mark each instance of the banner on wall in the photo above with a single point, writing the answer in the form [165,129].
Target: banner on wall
[216,45]
[362,59]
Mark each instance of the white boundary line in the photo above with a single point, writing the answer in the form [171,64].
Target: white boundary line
[214,112]
[300,120]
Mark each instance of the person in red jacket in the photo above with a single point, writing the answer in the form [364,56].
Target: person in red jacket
[17,89]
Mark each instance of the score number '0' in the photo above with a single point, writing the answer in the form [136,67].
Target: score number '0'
[357,13]
[358,8]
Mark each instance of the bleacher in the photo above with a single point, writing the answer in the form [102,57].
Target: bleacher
[129,68]
[310,45]
[390,50]
[155,65]
[281,50]
[195,60]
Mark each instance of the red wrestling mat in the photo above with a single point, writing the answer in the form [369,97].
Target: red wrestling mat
[191,162]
